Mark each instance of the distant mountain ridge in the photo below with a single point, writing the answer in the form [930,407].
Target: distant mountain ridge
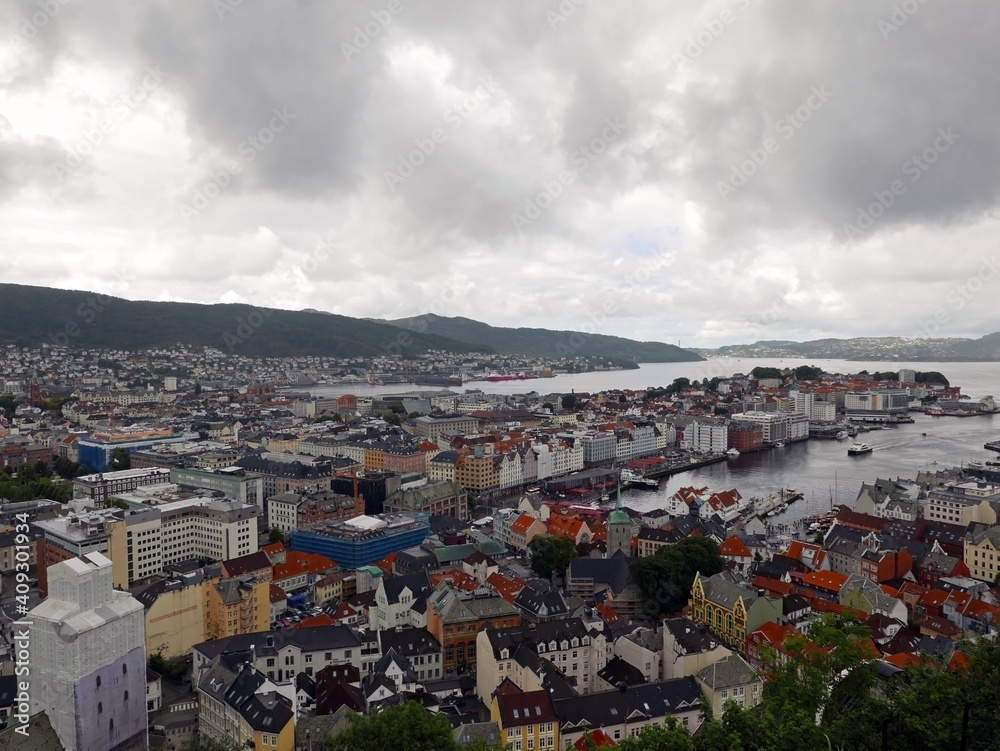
[546,342]
[31,316]
[956,349]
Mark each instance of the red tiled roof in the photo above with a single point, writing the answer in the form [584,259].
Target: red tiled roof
[830,581]
[317,620]
[734,547]
[277,594]
[522,523]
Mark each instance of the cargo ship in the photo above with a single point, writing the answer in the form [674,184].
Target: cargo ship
[437,380]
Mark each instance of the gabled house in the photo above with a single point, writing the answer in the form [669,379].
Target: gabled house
[525,719]
[730,610]
[401,601]
[688,647]
[620,714]
[736,553]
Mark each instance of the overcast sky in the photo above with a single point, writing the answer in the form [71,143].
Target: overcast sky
[683,171]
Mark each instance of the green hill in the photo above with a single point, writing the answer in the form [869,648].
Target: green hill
[30,316]
[545,342]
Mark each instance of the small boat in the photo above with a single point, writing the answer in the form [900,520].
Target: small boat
[843,434]
[976,464]
[857,449]
[779,445]
[733,453]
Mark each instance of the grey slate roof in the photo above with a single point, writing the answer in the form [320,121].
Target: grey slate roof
[731,670]
[650,701]
[723,590]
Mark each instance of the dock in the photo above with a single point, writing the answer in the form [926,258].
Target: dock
[667,470]
[774,502]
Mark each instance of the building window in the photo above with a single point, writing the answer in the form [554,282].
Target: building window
[100,707]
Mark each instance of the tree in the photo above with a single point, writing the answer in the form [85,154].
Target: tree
[665,578]
[762,372]
[568,401]
[670,736]
[679,384]
[392,418]
[548,406]
[807,373]
[117,503]
[408,727]
[42,469]
[26,473]
[119,460]
[932,376]
[276,535]
[550,554]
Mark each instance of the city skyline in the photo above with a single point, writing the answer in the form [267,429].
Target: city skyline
[709,174]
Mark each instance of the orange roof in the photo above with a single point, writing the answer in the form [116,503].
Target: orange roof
[600,738]
[317,620]
[346,610]
[522,523]
[610,615]
[386,563]
[830,581]
[902,659]
[958,662]
[273,548]
[298,563]
[506,588]
[458,578]
[277,594]
[935,598]
[771,633]
[775,586]
[565,526]
[734,547]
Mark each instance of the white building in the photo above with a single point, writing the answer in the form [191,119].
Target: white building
[88,658]
[707,437]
